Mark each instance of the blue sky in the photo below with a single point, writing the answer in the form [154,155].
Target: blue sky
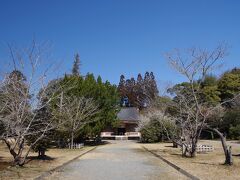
[115,37]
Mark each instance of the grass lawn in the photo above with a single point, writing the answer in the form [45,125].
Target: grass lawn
[35,166]
[205,166]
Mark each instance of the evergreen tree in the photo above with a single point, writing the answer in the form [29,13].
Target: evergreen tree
[229,84]
[147,89]
[103,93]
[140,93]
[139,78]
[147,78]
[151,90]
[209,90]
[130,92]
[153,86]
[122,91]
[42,115]
[122,86]
[76,66]
[140,88]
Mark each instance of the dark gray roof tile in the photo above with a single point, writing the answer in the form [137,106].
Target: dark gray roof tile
[128,114]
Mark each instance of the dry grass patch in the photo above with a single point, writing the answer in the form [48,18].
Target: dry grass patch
[35,167]
[205,165]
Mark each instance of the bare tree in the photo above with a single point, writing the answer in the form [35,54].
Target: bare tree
[20,101]
[193,113]
[75,112]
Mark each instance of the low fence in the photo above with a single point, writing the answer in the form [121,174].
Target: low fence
[204,148]
[133,134]
[76,146]
[129,134]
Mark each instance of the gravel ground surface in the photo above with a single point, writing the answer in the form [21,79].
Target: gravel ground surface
[119,160]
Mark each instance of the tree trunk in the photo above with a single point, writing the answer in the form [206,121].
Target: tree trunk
[184,150]
[41,152]
[72,137]
[11,150]
[18,159]
[193,148]
[193,152]
[229,159]
[227,150]
[175,145]
[23,160]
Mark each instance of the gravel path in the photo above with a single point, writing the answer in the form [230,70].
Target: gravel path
[120,160]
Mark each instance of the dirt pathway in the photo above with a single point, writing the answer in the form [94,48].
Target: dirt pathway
[120,160]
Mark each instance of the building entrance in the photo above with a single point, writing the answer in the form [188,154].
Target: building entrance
[121,131]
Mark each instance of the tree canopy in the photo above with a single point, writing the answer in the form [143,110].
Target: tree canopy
[141,92]
[229,84]
[104,95]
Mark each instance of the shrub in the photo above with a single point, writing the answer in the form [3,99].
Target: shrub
[156,127]
[151,132]
[234,132]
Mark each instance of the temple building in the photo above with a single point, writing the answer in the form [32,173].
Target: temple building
[126,129]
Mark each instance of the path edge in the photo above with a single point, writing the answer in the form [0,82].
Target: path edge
[172,165]
[49,172]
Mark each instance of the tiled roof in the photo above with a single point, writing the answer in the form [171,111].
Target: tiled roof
[128,114]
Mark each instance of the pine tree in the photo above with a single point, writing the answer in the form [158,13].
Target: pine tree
[153,86]
[140,88]
[76,66]
[139,78]
[147,78]
[140,93]
[122,81]
[122,86]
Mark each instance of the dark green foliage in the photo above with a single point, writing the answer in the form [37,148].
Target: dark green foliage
[107,98]
[42,145]
[43,115]
[234,132]
[103,93]
[152,132]
[153,86]
[181,92]
[229,88]
[121,87]
[2,128]
[210,93]
[231,123]
[182,89]
[229,84]
[207,91]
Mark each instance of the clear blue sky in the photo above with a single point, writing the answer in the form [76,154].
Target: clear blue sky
[115,37]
